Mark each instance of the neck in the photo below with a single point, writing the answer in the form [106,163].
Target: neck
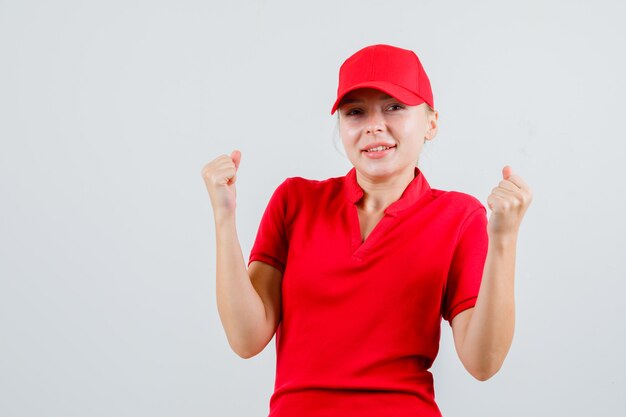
[379,192]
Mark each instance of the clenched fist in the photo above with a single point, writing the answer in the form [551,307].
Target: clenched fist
[508,203]
[220,176]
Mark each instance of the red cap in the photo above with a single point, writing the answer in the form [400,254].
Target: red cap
[395,71]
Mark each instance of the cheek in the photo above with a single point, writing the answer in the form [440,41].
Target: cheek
[348,134]
[413,131]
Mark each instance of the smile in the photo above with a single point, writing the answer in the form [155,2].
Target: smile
[375,154]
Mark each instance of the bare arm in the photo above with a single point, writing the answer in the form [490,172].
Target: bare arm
[240,306]
[244,297]
[483,334]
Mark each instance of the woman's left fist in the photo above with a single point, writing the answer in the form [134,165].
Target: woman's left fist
[508,203]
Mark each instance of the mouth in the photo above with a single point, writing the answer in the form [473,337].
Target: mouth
[379,149]
[379,153]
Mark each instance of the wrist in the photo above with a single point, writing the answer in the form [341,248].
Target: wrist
[224,217]
[503,240]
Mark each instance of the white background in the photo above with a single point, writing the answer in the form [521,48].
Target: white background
[109,110]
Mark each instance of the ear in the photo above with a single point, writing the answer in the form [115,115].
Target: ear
[430,133]
[433,126]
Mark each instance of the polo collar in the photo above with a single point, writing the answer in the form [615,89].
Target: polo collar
[411,194]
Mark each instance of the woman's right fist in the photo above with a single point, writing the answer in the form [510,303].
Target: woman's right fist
[220,176]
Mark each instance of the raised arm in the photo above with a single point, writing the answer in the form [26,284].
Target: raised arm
[241,308]
[483,334]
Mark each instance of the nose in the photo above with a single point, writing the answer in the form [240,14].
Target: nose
[375,123]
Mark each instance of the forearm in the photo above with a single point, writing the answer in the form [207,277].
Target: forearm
[489,332]
[240,307]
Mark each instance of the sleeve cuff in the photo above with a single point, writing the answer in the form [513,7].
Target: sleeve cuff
[462,306]
[268,260]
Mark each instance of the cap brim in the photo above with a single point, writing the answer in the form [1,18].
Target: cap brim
[400,93]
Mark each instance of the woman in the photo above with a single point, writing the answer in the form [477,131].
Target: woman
[354,273]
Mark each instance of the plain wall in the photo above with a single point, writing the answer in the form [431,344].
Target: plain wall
[109,110]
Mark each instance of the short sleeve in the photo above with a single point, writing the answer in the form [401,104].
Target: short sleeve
[466,269]
[271,245]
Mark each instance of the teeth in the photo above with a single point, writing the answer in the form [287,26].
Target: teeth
[380,148]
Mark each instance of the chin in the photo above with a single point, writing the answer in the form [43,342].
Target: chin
[383,170]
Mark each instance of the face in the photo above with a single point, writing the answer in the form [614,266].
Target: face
[367,116]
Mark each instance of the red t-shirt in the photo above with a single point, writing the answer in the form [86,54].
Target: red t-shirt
[361,322]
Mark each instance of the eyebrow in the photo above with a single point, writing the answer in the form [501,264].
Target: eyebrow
[354,100]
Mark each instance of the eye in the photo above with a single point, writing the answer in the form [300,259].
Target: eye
[396,105]
[352,112]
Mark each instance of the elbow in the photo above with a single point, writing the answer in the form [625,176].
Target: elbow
[247,345]
[485,372]
[245,354]
[482,376]
[483,367]
[249,349]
